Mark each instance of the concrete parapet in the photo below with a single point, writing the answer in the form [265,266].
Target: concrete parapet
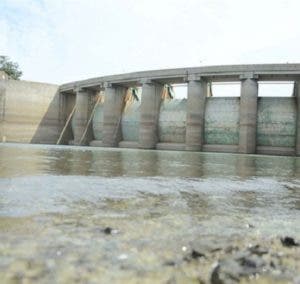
[112,115]
[195,113]
[150,105]
[248,114]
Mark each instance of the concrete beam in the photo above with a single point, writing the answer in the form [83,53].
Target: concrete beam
[248,114]
[150,105]
[197,90]
[112,114]
[215,73]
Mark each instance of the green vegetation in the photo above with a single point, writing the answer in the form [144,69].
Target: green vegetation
[10,68]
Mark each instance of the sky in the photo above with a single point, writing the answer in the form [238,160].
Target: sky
[59,41]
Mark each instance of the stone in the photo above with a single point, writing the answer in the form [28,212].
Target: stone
[289,242]
[258,250]
[107,231]
[231,269]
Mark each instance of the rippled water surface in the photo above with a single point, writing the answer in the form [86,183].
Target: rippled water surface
[87,214]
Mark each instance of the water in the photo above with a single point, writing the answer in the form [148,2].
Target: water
[56,201]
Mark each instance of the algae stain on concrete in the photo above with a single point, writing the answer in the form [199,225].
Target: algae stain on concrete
[222,121]
[276,122]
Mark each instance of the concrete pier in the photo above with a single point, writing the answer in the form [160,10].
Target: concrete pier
[151,100]
[83,107]
[112,114]
[195,113]
[248,113]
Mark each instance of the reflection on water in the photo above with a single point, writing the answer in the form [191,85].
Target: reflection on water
[24,160]
[55,202]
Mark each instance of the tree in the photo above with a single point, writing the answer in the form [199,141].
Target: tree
[10,68]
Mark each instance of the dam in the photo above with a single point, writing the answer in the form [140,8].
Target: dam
[137,110]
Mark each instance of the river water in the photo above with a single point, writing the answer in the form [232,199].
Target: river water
[92,215]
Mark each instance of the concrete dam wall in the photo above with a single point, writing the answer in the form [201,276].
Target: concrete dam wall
[30,112]
[136,110]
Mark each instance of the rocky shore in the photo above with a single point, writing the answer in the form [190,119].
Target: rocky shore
[226,261]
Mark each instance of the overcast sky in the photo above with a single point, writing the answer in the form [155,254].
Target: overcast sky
[57,41]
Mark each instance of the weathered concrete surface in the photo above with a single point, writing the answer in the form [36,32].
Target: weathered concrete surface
[30,112]
[171,146]
[131,121]
[197,90]
[222,121]
[151,100]
[129,144]
[220,148]
[276,122]
[98,122]
[67,108]
[275,125]
[96,143]
[297,99]
[172,121]
[248,114]
[112,114]
[84,104]
[2,108]
[278,151]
